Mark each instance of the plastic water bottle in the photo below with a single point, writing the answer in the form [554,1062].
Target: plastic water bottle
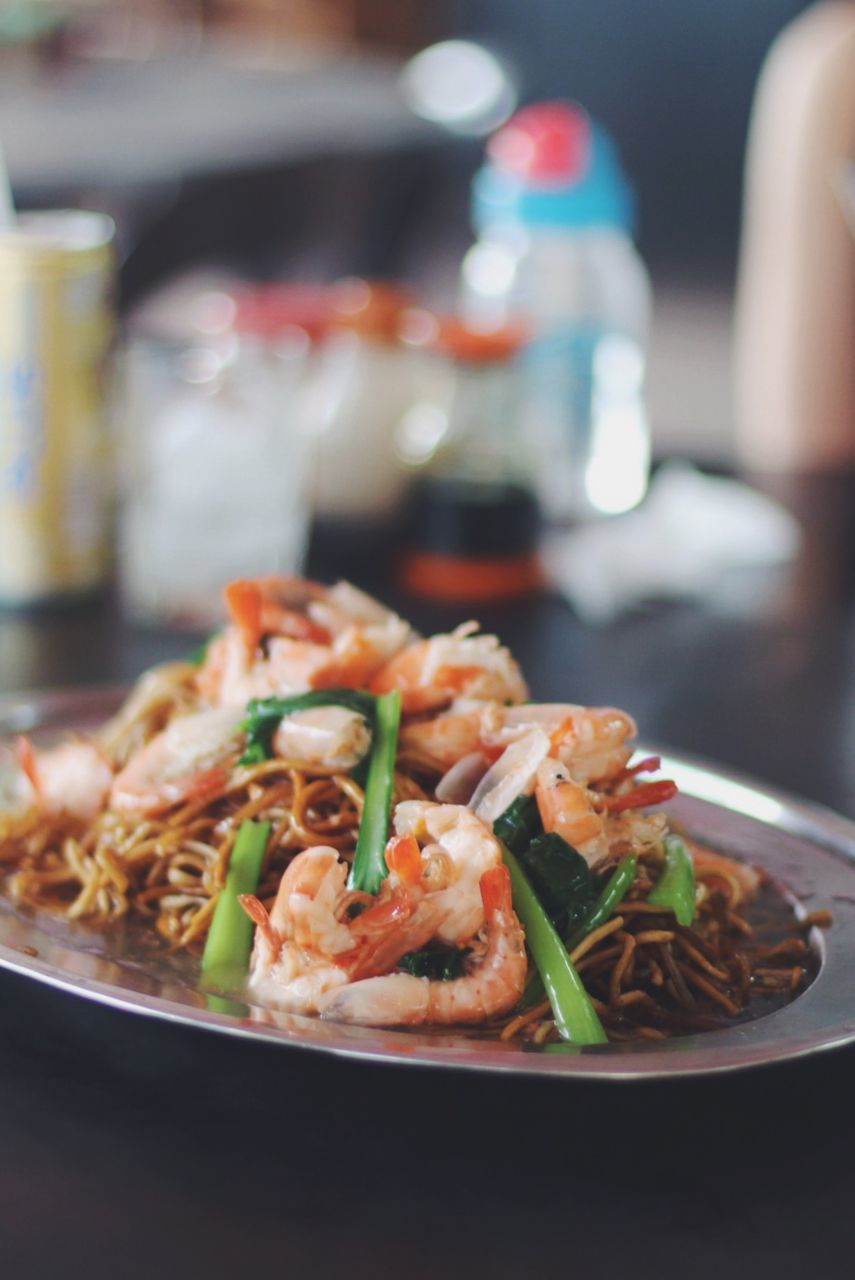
[554,216]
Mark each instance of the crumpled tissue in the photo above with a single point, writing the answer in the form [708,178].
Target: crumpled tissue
[682,542]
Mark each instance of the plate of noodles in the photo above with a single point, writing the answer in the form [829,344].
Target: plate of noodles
[331,832]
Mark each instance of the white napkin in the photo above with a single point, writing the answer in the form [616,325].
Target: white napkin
[688,535]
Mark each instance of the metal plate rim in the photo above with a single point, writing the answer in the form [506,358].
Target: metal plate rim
[785,1035]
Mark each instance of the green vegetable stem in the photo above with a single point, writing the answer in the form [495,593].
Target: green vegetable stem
[613,893]
[369,868]
[229,941]
[675,888]
[575,1016]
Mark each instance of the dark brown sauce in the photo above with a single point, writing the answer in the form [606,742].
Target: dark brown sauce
[773,917]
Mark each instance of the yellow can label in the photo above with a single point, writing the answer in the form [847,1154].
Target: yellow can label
[55,331]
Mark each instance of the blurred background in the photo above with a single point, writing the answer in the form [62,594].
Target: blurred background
[238,143]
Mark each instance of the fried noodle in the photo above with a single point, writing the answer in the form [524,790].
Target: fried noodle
[648,977]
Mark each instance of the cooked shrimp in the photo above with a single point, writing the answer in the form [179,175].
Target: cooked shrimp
[288,635]
[445,739]
[331,736]
[187,760]
[72,778]
[432,673]
[567,808]
[308,945]
[282,975]
[157,696]
[493,985]
[457,850]
[593,742]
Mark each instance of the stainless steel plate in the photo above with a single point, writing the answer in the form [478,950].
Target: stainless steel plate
[808,850]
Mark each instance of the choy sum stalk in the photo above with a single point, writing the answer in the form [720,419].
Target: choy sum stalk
[675,888]
[575,1016]
[229,942]
[369,868]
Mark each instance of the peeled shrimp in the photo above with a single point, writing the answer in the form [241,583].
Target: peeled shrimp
[331,736]
[308,945]
[157,695]
[72,778]
[288,635]
[457,849]
[494,983]
[188,760]
[432,673]
[567,809]
[593,742]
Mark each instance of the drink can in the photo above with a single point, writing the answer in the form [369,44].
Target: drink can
[56,329]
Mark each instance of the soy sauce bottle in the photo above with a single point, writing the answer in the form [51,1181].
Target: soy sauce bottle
[473,523]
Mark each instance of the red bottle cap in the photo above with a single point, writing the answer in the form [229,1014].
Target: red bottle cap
[464,344]
[269,310]
[372,308]
[548,143]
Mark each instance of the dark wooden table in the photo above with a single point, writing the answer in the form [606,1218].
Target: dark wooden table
[134,1148]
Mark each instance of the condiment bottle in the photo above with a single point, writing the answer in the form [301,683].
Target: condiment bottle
[366,382]
[473,523]
[554,216]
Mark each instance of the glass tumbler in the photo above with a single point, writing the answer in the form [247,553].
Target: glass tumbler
[215,458]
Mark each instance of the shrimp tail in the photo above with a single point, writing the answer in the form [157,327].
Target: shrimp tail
[243,601]
[257,913]
[26,758]
[495,888]
[404,859]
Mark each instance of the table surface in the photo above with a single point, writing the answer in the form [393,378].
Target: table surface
[132,1147]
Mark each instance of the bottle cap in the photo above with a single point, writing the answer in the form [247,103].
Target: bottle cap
[269,311]
[478,346]
[371,308]
[552,165]
[546,143]
[463,343]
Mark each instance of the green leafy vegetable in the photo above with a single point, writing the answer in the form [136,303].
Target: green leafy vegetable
[519,824]
[559,874]
[263,715]
[611,895]
[369,868]
[675,888]
[438,962]
[598,913]
[561,878]
[575,1016]
[229,941]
